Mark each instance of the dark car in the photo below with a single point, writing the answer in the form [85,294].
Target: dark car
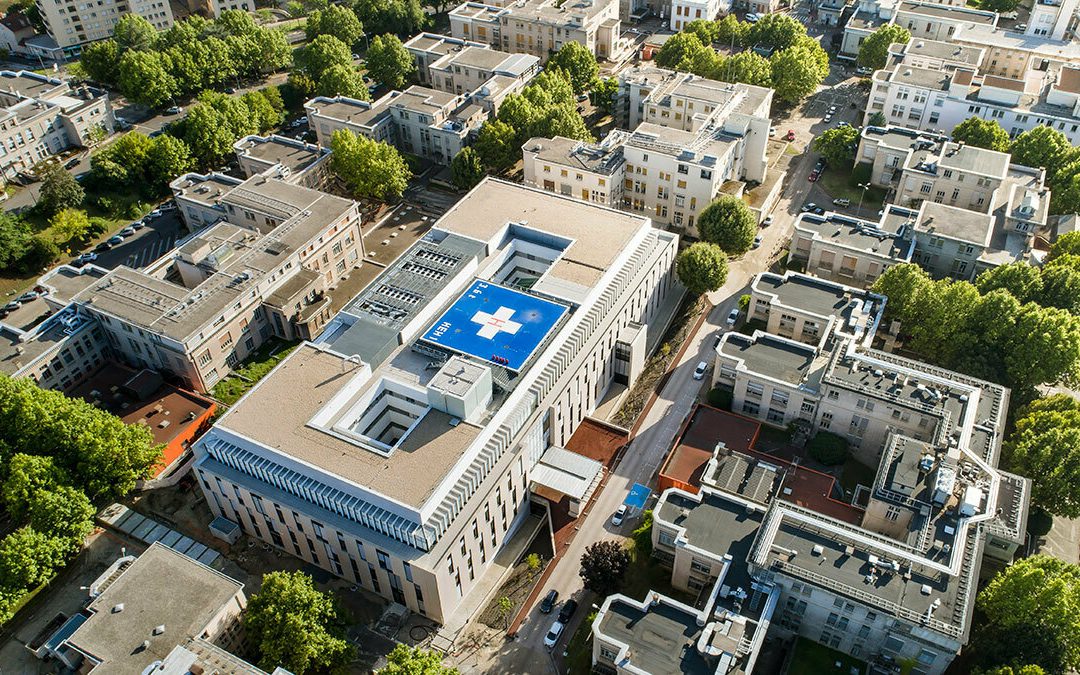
[102,247]
[567,611]
[549,601]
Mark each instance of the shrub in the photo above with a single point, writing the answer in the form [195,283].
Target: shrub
[828,448]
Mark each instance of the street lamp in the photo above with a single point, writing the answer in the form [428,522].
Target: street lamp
[865,187]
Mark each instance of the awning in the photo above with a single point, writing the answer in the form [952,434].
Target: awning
[567,472]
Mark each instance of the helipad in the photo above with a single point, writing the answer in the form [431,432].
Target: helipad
[496,324]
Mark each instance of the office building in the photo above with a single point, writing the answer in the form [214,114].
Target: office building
[460,67]
[287,159]
[924,20]
[400,449]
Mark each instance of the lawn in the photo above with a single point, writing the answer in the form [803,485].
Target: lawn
[843,182]
[811,658]
[253,369]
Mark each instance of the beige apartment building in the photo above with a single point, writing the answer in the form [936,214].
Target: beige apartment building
[372,119]
[849,250]
[41,116]
[72,24]
[460,66]
[287,159]
[542,27]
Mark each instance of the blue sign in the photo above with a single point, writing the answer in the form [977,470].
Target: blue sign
[639,494]
[496,324]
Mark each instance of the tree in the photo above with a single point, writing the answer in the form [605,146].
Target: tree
[59,191]
[603,566]
[1046,443]
[389,62]
[902,284]
[837,145]
[506,606]
[706,31]
[534,563]
[168,158]
[747,67]
[370,168]
[272,50]
[100,60]
[294,625]
[1068,243]
[497,146]
[728,223]
[602,94]
[207,135]
[1061,283]
[28,558]
[702,267]
[236,22]
[874,51]
[336,20]
[943,310]
[877,119]
[144,78]
[1041,146]
[132,31]
[1021,280]
[578,62]
[1031,616]
[1010,670]
[406,660]
[1065,189]
[466,169]
[828,448]
[982,133]
[28,475]
[401,17]
[796,73]
[642,534]
[62,512]
[339,80]
[1044,349]
[999,5]
[69,225]
[731,32]
[322,53]
[15,238]
[123,162]
[775,31]
[680,48]
[562,121]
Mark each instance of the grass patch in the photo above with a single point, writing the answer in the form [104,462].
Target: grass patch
[811,658]
[579,649]
[253,369]
[843,182]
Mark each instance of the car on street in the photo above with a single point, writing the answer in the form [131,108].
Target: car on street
[73,162]
[814,175]
[827,118]
[841,201]
[80,177]
[699,372]
[552,636]
[567,611]
[126,232]
[548,603]
[83,259]
[842,123]
[790,135]
[137,225]
[122,123]
[115,240]
[1020,27]
[28,296]
[818,211]
[808,206]
[757,242]
[832,110]
[155,213]
[863,70]
[617,517]
[174,110]
[753,17]
[103,246]
[168,206]
[732,317]
[820,164]
[767,222]
[12,306]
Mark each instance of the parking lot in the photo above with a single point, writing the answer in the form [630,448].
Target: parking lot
[147,245]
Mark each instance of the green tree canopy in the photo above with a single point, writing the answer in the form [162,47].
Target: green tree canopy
[837,145]
[877,119]
[389,62]
[1031,616]
[776,31]
[370,168]
[702,267]
[874,50]
[144,78]
[322,53]
[706,31]
[982,133]
[603,567]
[1041,146]
[681,48]
[1021,280]
[337,20]
[406,660]
[902,284]
[132,31]
[401,17]
[168,158]
[59,190]
[731,32]
[1068,243]
[943,308]
[28,558]
[339,80]
[1061,283]
[294,625]
[26,476]
[796,72]
[1044,349]
[728,223]
[578,62]
[602,95]
[101,60]
[747,67]
[466,169]
[69,226]
[63,512]
[496,144]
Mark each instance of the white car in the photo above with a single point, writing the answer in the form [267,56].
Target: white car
[699,372]
[617,517]
[553,635]
[732,317]
[753,17]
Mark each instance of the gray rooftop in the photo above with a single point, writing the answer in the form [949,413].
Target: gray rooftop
[810,294]
[596,158]
[924,78]
[161,588]
[946,51]
[657,638]
[352,111]
[717,525]
[27,84]
[955,223]
[289,153]
[950,12]
[771,356]
[854,234]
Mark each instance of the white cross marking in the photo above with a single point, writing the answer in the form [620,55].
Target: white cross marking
[493,324]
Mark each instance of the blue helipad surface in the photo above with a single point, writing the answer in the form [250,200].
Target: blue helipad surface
[495,324]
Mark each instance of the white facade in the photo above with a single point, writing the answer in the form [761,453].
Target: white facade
[74,24]
[685,11]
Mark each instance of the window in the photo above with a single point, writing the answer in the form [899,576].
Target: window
[204,358]
[384,559]
[226,340]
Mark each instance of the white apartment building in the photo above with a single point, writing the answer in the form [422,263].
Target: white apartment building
[1055,19]
[685,11]
[1019,56]
[460,66]
[924,20]
[691,137]
[849,250]
[72,24]
[439,402]
[288,159]
[421,121]
[542,27]
[916,93]
[42,116]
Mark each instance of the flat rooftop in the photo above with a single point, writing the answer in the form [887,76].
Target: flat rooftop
[359,113]
[694,448]
[951,12]
[855,234]
[717,525]
[946,51]
[974,159]
[28,84]
[160,588]
[955,223]
[291,154]
[809,294]
[658,638]
[771,356]
[66,282]
[603,159]
[299,388]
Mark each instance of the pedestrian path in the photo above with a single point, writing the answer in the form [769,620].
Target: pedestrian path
[148,530]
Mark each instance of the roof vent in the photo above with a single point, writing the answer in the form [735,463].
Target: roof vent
[158,630]
[117,608]
[817,550]
[925,589]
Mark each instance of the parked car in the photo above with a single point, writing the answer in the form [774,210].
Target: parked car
[841,201]
[174,110]
[818,211]
[617,517]
[699,372]
[1020,27]
[863,70]
[115,240]
[842,123]
[137,225]
[553,635]
[790,135]
[732,317]
[83,259]
[808,206]
[820,165]
[122,123]
[548,603]
[767,222]
[28,296]
[567,611]
[757,242]
[582,98]
[74,161]
[103,246]
[230,90]
[126,232]
[772,131]
[827,118]
[753,17]
[12,306]
[154,214]
[832,110]
[814,175]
